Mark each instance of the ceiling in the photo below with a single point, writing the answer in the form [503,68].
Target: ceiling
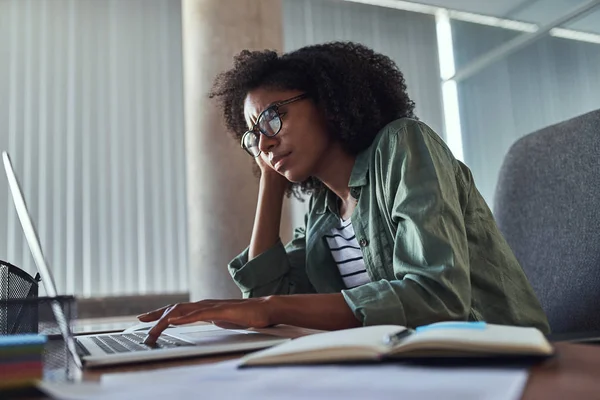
[535,11]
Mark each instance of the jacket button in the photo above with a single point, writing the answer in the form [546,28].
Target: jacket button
[355,192]
[363,242]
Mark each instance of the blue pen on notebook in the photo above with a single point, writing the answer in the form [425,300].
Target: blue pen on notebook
[472,325]
[394,338]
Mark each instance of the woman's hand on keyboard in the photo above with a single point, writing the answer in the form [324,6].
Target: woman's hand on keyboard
[231,314]
[325,311]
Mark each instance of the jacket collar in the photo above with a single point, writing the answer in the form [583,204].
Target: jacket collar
[358,179]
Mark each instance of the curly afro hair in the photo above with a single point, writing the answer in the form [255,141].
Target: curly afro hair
[359,90]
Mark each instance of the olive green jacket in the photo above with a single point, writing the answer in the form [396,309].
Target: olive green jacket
[429,241]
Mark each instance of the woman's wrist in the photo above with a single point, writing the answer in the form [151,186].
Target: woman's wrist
[315,311]
[274,305]
[274,181]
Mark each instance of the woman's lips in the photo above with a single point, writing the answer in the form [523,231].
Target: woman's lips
[278,162]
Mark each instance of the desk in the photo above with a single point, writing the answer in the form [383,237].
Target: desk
[573,374]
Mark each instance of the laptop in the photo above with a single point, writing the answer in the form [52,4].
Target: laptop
[127,347]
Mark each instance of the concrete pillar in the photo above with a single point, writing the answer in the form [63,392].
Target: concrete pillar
[221,189]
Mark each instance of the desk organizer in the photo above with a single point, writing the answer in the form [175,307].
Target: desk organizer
[16,284]
[22,311]
[38,316]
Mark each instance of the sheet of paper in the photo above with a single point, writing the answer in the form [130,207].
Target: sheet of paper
[383,381]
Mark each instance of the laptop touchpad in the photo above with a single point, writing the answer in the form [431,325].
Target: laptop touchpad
[215,335]
[222,337]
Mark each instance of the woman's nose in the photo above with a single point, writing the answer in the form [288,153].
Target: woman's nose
[266,143]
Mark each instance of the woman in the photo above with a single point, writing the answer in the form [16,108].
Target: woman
[396,231]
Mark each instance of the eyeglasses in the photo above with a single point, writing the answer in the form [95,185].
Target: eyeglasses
[268,123]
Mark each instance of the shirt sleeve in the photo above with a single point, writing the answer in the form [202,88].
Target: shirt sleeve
[430,252]
[279,270]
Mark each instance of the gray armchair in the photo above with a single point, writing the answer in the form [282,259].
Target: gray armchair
[547,204]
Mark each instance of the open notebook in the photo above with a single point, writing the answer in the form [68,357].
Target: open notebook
[374,343]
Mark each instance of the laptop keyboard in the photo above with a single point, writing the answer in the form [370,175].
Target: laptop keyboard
[128,342]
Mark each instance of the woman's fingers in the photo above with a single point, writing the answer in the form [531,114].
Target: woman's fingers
[163,322]
[211,314]
[156,314]
[153,315]
[232,314]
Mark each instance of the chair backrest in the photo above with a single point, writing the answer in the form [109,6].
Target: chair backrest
[547,205]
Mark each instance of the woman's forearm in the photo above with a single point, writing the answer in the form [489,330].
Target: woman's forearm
[315,311]
[267,221]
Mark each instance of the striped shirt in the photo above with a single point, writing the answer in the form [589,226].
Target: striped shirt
[347,254]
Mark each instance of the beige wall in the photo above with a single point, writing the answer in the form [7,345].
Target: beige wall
[222,191]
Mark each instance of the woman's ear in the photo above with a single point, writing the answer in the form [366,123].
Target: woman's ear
[327,121]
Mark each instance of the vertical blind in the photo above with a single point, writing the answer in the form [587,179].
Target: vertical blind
[91,112]
[550,81]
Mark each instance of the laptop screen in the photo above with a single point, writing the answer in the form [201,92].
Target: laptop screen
[38,256]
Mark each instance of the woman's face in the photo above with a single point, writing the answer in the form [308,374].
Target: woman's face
[301,145]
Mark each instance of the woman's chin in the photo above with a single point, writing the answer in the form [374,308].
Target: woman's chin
[294,177]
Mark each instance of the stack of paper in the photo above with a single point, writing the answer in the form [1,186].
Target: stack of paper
[331,382]
[21,360]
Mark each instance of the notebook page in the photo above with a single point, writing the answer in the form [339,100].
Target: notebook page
[492,338]
[367,338]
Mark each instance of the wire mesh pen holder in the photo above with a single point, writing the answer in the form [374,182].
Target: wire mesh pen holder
[22,311]
[16,284]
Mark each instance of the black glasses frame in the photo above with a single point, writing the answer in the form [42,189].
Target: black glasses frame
[273,107]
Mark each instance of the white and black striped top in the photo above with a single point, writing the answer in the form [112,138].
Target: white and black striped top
[347,254]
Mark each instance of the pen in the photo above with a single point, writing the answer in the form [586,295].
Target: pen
[393,338]
[471,325]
